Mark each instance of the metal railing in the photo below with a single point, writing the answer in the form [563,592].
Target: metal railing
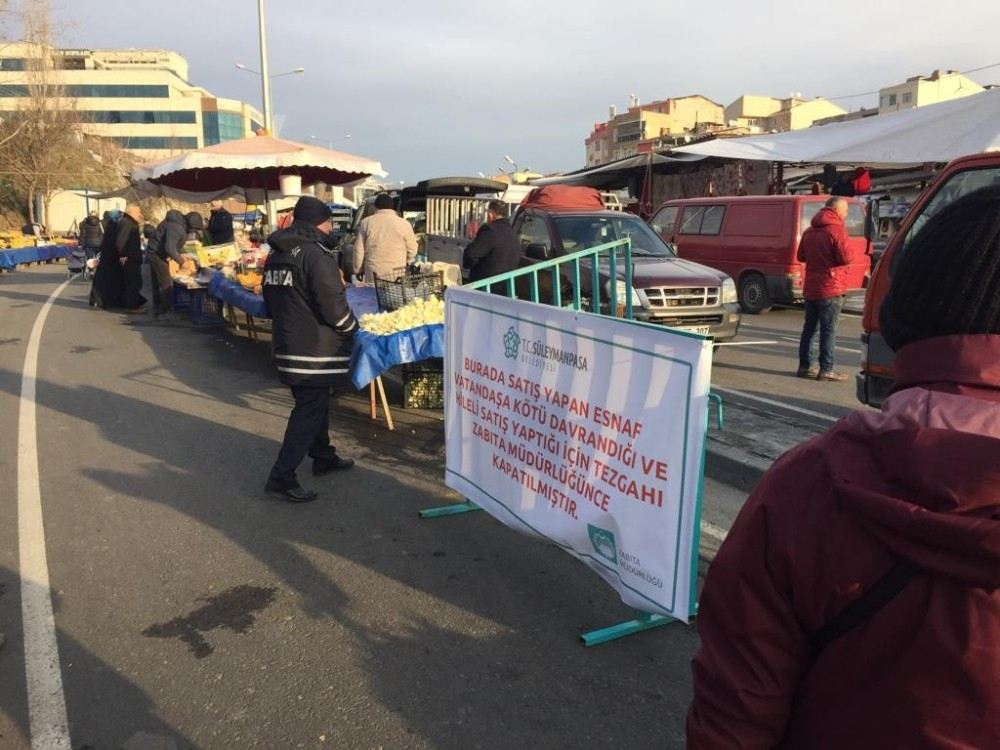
[555,267]
[572,264]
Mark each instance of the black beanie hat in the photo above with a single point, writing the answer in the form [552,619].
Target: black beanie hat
[948,279]
[311,210]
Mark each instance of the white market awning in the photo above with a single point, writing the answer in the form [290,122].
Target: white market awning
[934,133]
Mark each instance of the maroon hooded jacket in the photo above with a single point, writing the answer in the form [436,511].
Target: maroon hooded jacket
[919,481]
[824,250]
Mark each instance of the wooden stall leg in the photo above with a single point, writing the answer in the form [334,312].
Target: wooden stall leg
[385,403]
[371,399]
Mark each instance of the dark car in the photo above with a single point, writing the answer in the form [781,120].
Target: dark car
[665,289]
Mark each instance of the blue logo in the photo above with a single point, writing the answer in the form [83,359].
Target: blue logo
[511,343]
[604,543]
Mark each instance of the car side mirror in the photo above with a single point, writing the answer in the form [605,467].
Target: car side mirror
[537,251]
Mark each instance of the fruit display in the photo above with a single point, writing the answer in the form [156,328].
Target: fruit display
[419,312]
[187,269]
[251,280]
[218,255]
[16,240]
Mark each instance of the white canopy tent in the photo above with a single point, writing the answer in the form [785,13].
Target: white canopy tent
[934,133]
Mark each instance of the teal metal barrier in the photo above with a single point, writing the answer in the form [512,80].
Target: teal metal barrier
[572,262]
[555,266]
[507,281]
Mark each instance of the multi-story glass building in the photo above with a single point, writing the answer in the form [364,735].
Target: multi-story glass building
[140,98]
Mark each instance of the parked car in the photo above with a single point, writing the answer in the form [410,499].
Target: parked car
[957,179]
[667,290]
[755,239]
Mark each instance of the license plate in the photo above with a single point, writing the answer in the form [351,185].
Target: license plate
[703,330]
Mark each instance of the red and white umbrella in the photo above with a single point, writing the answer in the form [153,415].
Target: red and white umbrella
[255,163]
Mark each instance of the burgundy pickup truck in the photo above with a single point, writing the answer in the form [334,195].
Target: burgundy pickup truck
[667,290]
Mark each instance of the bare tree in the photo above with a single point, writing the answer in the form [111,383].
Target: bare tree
[42,144]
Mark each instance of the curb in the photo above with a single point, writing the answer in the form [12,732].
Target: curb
[734,467]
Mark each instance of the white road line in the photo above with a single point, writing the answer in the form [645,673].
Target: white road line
[745,343]
[836,346]
[761,399]
[46,702]
[716,532]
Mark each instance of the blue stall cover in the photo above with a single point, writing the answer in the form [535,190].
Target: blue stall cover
[372,354]
[230,291]
[12,258]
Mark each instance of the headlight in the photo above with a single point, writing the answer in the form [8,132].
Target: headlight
[729,291]
[638,298]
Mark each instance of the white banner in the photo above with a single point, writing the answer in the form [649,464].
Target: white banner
[585,431]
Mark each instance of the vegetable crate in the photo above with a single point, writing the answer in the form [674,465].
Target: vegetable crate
[398,291]
[423,384]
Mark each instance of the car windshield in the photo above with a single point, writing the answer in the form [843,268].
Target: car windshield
[582,232]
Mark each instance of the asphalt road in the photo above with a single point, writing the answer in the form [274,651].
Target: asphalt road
[764,359]
[189,607]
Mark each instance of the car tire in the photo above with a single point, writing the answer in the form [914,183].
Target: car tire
[754,298]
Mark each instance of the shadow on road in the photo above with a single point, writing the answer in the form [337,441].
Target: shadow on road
[114,708]
[465,631]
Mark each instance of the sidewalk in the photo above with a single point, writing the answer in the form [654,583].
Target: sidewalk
[750,441]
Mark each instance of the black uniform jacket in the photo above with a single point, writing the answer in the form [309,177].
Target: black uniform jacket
[313,325]
[494,251]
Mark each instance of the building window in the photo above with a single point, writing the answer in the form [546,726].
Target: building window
[907,97]
[16,90]
[210,128]
[138,117]
[892,100]
[11,63]
[118,91]
[230,126]
[153,142]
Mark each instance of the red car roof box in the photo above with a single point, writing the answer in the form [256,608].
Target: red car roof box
[565,197]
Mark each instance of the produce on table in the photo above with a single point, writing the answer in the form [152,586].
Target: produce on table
[189,268]
[251,280]
[420,312]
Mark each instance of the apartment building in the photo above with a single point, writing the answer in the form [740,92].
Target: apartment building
[919,91]
[142,99]
[763,114]
[641,126]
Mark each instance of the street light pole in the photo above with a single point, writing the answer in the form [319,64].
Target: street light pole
[265,79]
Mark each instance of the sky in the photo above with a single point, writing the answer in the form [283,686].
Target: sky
[450,87]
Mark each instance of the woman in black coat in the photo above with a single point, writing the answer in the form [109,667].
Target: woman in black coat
[108,288]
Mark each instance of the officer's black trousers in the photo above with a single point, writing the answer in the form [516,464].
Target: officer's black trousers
[306,433]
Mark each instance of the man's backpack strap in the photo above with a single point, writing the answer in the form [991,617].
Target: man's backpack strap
[883,591]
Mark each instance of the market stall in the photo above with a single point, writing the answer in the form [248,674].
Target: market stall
[10,259]
[412,334]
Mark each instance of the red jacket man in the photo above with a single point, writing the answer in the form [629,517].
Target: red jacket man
[824,250]
[899,509]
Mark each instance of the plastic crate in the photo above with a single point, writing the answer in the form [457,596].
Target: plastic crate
[398,291]
[423,385]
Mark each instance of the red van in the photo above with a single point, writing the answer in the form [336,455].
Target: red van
[754,239]
[959,178]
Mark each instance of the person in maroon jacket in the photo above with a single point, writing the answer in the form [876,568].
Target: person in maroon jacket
[856,601]
[824,250]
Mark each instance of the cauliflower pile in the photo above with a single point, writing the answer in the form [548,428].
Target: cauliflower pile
[420,312]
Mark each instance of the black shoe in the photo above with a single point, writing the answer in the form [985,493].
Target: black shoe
[323,466]
[296,494]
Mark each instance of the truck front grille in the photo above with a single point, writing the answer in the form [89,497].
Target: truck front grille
[682,297]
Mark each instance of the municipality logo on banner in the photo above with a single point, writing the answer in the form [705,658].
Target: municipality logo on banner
[511,343]
[604,542]
[541,354]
